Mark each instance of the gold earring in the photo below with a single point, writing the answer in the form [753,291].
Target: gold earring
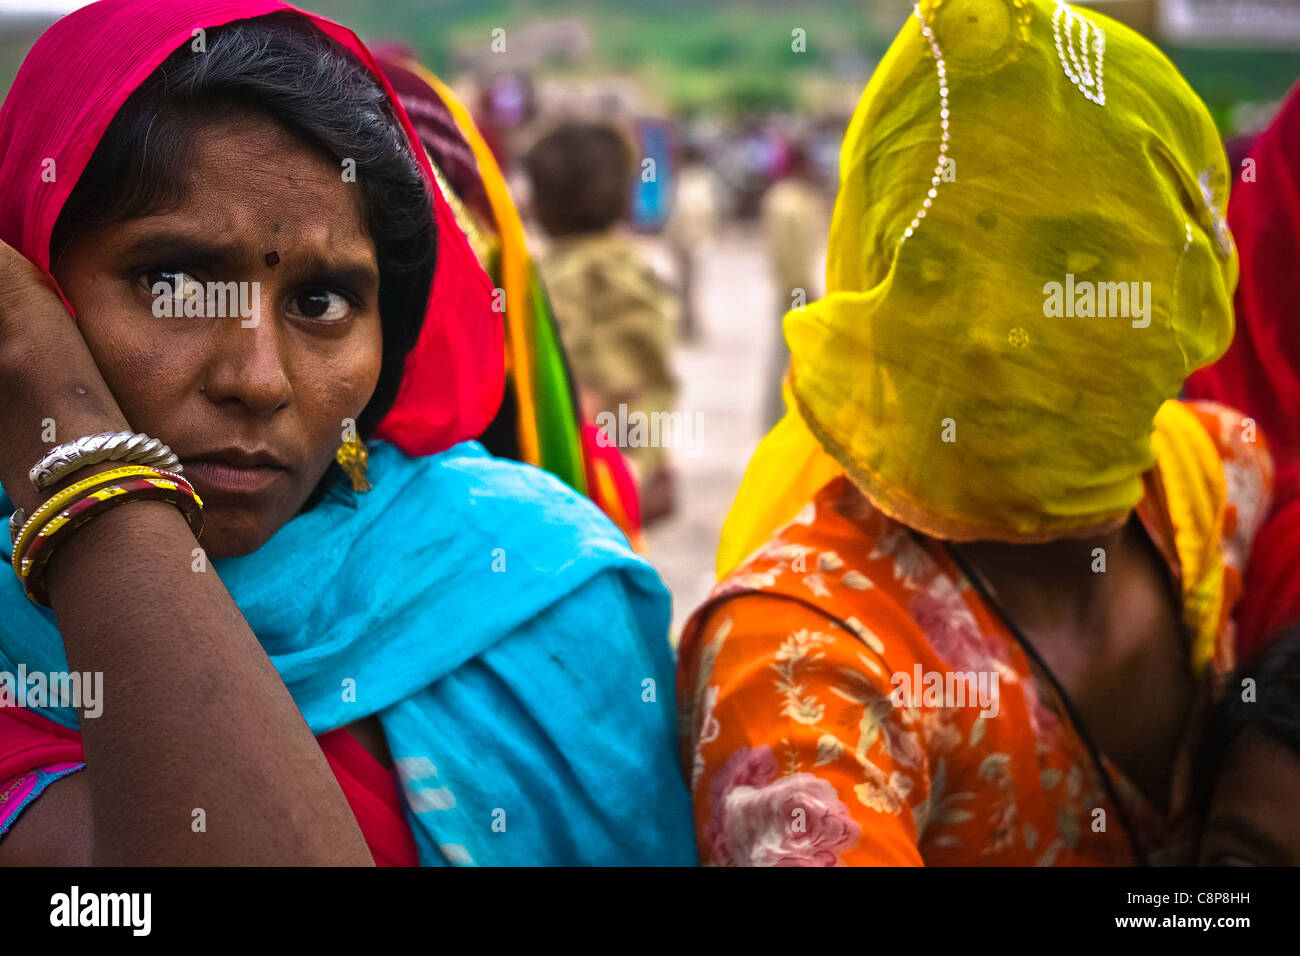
[353,457]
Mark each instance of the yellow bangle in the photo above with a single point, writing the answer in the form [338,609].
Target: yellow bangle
[52,505]
[171,488]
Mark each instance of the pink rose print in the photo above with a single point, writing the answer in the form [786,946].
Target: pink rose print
[759,819]
[955,635]
[951,628]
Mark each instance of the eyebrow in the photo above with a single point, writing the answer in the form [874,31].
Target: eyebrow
[168,245]
[1241,830]
[192,249]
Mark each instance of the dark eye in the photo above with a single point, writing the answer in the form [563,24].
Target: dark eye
[175,283]
[320,305]
[1083,261]
[1085,246]
[932,267]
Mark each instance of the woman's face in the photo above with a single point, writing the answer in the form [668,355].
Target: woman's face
[1252,819]
[254,402]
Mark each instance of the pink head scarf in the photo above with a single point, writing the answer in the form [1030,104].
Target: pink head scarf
[76,78]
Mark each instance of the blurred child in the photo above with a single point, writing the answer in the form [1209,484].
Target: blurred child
[1248,779]
[617,318]
[694,222]
[795,219]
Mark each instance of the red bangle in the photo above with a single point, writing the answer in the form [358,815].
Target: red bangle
[172,489]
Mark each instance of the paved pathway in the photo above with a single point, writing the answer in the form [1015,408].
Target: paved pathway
[723,377]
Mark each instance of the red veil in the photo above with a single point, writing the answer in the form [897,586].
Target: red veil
[1260,372]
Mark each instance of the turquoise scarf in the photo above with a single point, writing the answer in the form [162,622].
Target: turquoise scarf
[512,646]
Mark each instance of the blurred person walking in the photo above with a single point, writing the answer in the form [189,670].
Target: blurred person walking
[694,221]
[794,220]
[618,319]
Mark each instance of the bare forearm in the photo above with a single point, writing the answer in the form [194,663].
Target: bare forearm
[195,717]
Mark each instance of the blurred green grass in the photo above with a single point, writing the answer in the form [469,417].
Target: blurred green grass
[735,55]
[728,56]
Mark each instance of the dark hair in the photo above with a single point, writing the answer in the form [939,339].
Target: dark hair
[581,175]
[1274,711]
[284,68]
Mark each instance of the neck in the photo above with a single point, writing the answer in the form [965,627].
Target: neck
[1048,584]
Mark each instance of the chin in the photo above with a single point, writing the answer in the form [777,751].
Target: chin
[232,535]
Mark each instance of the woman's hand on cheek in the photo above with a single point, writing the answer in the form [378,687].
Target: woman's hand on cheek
[51,391]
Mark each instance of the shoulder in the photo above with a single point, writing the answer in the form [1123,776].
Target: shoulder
[507,495]
[580,702]
[553,528]
[839,568]
[516,538]
[614,624]
[568,258]
[837,547]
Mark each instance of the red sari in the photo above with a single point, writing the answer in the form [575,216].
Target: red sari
[35,752]
[1260,373]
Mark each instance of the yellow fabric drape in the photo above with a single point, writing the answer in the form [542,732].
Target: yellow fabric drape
[786,471]
[1196,493]
[790,467]
[1027,257]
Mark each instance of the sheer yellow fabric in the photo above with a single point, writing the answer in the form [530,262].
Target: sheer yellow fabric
[789,468]
[786,471]
[1027,257]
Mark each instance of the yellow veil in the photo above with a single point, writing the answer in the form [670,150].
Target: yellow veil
[1027,257]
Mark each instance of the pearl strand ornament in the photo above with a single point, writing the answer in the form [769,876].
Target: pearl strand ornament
[1075,63]
[942,70]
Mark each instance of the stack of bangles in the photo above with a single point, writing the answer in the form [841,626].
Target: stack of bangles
[151,475]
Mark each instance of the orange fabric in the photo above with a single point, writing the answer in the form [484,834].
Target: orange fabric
[797,755]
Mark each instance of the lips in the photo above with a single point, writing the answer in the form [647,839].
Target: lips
[234,471]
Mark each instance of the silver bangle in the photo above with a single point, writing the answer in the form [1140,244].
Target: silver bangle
[132,448]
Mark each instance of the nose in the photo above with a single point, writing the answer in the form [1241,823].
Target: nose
[248,363]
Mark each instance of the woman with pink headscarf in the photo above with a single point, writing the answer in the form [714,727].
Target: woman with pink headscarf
[327,628]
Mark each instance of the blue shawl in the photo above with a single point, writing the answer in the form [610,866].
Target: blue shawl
[511,644]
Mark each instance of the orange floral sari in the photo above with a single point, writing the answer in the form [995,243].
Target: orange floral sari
[802,749]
